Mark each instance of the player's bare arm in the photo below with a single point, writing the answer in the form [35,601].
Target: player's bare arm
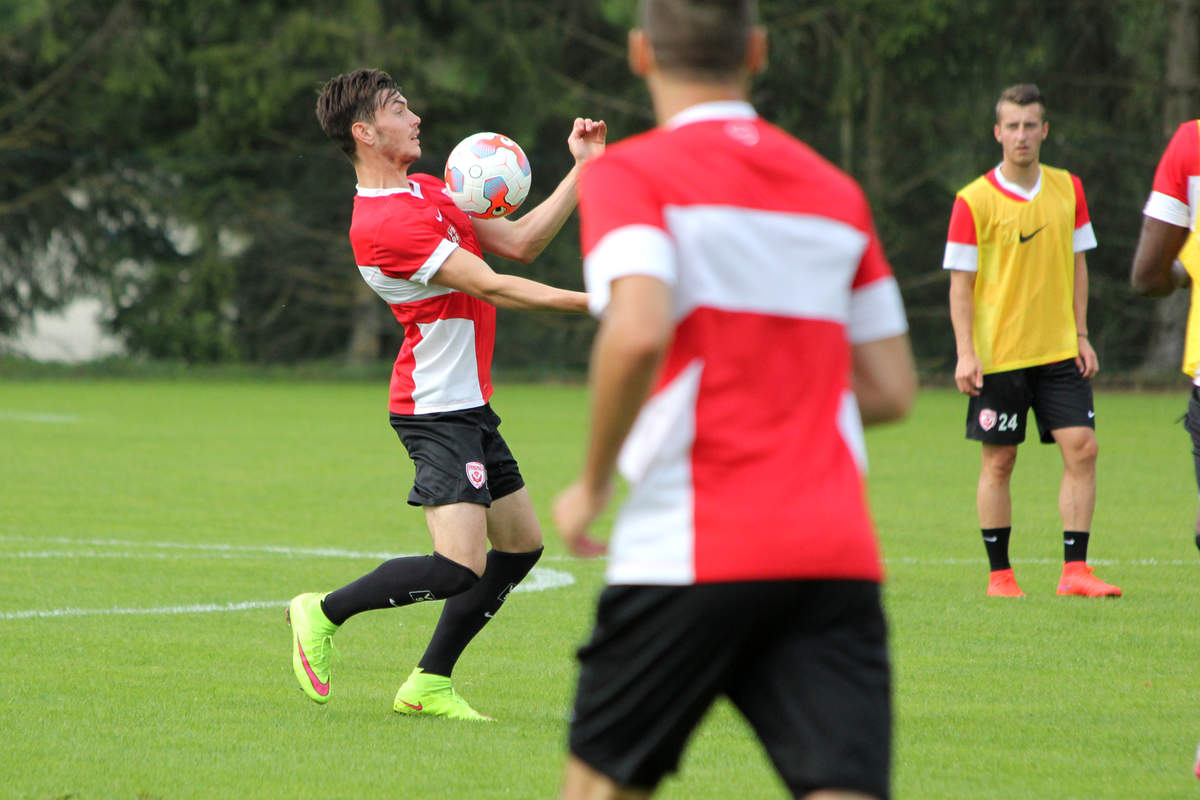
[1156,268]
[968,373]
[884,379]
[1087,360]
[466,272]
[525,238]
[629,346]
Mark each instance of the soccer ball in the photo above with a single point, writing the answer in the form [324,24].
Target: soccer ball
[488,175]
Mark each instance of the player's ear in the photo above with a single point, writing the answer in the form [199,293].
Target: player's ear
[641,55]
[996,131]
[756,50]
[362,132]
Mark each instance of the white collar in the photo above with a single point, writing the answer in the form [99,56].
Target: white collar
[1019,191]
[718,109]
[412,188]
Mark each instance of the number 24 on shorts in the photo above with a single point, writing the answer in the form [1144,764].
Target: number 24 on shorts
[988,419]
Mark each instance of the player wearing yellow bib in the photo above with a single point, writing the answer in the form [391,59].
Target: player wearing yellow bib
[1168,254]
[1018,303]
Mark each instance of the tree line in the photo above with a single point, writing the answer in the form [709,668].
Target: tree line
[163,155]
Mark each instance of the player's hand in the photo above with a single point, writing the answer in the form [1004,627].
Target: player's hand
[968,375]
[574,511]
[587,138]
[1087,361]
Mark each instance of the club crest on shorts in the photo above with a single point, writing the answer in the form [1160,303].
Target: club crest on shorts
[987,419]
[476,474]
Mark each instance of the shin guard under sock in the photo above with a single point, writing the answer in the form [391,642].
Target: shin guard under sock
[399,582]
[464,615]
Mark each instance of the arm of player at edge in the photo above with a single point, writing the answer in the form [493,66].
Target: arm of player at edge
[1156,269]
[468,273]
[884,379]
[968,373]
[629,347]
[1087,361]
[525,238]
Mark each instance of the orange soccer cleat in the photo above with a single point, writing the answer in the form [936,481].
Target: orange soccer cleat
[1077,579]
[1003,583]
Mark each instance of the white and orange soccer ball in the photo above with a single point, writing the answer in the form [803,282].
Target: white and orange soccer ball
[488,175]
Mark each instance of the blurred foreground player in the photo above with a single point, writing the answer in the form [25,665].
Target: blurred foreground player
[750,325]
[1168,255]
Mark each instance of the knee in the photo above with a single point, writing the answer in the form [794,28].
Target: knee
[998,463]
[1083,453]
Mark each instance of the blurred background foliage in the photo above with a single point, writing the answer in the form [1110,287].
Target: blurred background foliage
[163,155]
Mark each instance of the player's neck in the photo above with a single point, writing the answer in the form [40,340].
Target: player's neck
[1024,176]
[671,96]
[381,174]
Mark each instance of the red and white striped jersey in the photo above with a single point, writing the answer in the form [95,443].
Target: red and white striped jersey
[746,461]
[401,237]
[1175,199]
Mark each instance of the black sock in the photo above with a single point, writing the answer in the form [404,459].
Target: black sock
[464,615]
[1198,541]
[996,542]
[1075,545]
[397,583]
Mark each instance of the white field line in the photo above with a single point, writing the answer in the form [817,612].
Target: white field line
[540,579]
[37,416]
[138,549]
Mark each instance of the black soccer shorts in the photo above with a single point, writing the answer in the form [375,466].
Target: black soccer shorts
[459,457]
[804,661]
[1058,394]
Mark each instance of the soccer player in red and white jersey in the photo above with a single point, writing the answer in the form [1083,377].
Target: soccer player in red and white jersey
[1168,256]
[750,325]
[423,255]
[1018,304]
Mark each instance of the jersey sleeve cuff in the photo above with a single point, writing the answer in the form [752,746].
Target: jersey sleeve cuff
[631,250]
[432,264]
[961,256]
[876,312]
[1168,209]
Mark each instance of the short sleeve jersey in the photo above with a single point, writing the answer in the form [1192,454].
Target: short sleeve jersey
[401,237]
[1022,246]
[1175,199]
[746,461]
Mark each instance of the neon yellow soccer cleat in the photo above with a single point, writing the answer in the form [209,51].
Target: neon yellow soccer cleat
[312,645]
[432,695]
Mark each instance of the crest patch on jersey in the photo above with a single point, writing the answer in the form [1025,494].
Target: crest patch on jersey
[987,419]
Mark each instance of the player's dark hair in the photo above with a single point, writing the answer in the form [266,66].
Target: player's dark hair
[1023,94]
[699,39]
[350,98]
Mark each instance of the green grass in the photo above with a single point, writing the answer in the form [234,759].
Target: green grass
[160,496]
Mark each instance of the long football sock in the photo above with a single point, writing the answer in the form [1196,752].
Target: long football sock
[1198,541]
[996,542]
[1075,545]
[399,582]
[464,615]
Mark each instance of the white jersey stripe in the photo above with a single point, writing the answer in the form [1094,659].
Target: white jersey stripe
[765,262]
[398,290]
[652,536]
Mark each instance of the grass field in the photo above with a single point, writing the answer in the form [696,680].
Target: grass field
[151,533]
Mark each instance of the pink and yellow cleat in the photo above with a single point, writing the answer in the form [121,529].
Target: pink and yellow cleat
[312,645]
